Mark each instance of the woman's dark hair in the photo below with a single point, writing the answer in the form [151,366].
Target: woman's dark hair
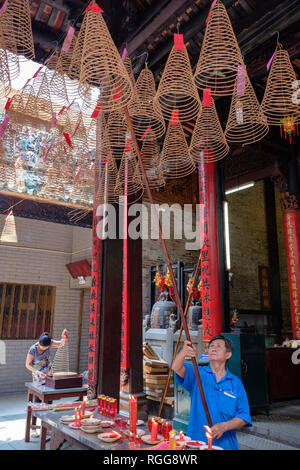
[45,339]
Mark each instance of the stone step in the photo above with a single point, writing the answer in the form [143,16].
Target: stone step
[249,441]
[282,431]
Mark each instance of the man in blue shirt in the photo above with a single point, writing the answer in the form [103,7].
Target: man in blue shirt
[224,392]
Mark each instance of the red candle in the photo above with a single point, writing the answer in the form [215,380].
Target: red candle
[79,415]
[76,417]
[132,414]
[154,429]
[83,408]
[209,437]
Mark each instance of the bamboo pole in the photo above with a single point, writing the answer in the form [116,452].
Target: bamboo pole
[165,250]
[198,268]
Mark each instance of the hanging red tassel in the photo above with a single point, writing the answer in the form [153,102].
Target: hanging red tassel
[281,131]
[297,130]
[290,138]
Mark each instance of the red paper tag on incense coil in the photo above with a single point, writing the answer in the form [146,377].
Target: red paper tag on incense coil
[8,103]
[206,97]
[62,110]
[116,95]
[96,111]
[128,145]
[37,72]
[145,133]
[97,9]
[108,157]
[94,7]
[67,137]
[175,117]
[178,42]
[212,5]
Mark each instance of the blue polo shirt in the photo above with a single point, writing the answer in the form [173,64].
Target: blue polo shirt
[225,399]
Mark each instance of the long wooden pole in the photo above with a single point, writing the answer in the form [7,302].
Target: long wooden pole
[165,250]
[198,267]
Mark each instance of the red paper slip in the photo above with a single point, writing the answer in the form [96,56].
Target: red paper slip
[206,97]
[175,117]
[178,42]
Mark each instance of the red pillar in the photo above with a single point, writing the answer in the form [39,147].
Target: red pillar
[94,328]
[210,274]
[291,219]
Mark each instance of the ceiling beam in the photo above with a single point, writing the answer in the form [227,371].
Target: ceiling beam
[278,19]
[159,18]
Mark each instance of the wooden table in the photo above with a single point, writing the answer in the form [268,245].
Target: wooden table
[62,432]
[47,395]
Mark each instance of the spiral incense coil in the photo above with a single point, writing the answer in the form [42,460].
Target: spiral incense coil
[220,54]
[208,138]
[152,163]
[129,180]
[16,29]
[39,104]
[97,62]
[106,191]
[4,68]
[278,102]
[116,129]
[246,122]
[61,361]
[57,82]
[128,67]
[145,117]
[176,89]
[176,161]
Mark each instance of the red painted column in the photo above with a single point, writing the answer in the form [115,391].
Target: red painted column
[291,219]
[210,274]
[125,325]
[94,322]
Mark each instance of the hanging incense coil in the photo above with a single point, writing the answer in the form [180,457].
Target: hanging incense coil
[97,62]
[4,68]
[16,29]
[129,179]
[116,130]
[145,117]
[57,82]
[176,161]
[220,54]
[246,122]
[151,158]
[176,89]
[38,104]
[278,102]
[208,138]
[106,191]
[128,67]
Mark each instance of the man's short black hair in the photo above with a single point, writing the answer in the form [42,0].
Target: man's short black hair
[228,343]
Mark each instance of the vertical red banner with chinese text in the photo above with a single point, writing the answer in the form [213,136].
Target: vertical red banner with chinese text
[210,275]
[292,247]
[94,321]
[124,367]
